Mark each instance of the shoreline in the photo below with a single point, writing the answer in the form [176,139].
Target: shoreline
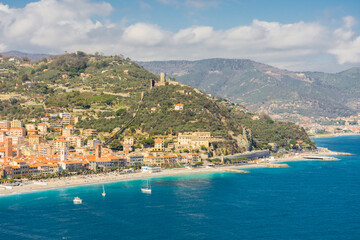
[76,181]
[84,180]
[332,135]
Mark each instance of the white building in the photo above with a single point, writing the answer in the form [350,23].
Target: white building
[148,169]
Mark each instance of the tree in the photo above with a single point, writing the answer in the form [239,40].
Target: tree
[116,145]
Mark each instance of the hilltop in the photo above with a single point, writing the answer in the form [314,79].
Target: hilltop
[30,56]
[260,86]
[108,92]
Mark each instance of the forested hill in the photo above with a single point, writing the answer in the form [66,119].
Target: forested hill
[107,92]
[278,91]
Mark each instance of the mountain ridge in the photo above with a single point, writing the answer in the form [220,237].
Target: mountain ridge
[31,56]
[260,86]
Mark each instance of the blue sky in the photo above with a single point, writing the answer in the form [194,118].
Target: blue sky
[298,35]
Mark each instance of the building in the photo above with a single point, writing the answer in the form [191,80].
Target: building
[159,145]
[92,143]
[67,131]
[30,126]
[16,140]
[18,131]
[66,120]
[194,157]
[62,115]
[16,124]
[35,139]
[45,150]
[149,169]
[42,128]
[5,125]
[20,168]
[8,148]
[76,141]
[160,160]
[135,159]
[194,140]
[162,77]
[32,132]
[61,144]
[98,151]
[162,81]
[70,166]
[128,140]
[179,107]
[90,132]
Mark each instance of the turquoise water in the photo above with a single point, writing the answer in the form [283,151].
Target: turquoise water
[309,200]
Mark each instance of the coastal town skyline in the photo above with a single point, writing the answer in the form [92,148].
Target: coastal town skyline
[321,36]
[248,125]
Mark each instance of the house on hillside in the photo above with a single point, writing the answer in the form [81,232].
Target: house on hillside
[179,107]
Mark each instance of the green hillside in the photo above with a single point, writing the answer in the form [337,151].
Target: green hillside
[108,92]
[258,85]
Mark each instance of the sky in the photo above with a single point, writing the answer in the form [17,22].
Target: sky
[307,35]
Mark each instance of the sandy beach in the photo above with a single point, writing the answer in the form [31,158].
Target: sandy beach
[80,180]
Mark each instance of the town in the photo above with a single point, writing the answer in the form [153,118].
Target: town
[85,114]
[39,150]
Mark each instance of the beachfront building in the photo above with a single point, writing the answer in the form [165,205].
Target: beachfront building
[194,140]
[135,159]
[150,169]
[194,157]
[160,160]
[70,166]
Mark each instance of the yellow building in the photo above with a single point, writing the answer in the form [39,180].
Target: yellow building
[194,140]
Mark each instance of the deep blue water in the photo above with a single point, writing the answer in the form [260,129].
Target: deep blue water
[309,200]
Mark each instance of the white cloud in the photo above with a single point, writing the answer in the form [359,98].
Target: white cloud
[193,35]
[347,45]
[144,34]
[55,26]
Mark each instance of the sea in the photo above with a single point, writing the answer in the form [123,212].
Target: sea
[309,200]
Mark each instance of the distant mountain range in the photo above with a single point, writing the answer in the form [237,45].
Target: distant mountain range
[31,56]
[260,86]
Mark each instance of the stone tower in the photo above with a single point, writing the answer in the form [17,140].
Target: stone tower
[63,154]
[8,148]
[162,77]
[98,151]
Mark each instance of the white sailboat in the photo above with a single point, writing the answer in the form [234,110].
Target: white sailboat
[103,193]
[146,189]
[77,200]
